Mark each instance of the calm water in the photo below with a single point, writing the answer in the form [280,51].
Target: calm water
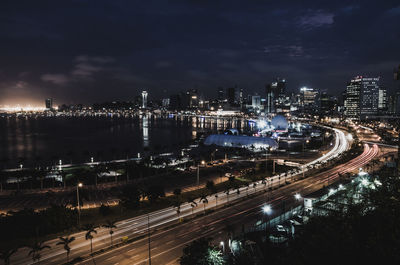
[76,139]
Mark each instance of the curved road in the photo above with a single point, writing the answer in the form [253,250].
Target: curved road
[167,244]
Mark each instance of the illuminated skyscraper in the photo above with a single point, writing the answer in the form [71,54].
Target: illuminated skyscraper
[144,99]
[382,100]
[276,95]
[369,100]
[49,103]
[362,98]
[309,98]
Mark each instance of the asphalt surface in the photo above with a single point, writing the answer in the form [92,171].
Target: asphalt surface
[167,243]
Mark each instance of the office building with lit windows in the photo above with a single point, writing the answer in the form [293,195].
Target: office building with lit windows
[362,98]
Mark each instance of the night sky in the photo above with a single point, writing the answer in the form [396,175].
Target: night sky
[91,51]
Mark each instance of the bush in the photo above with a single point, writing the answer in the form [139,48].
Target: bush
[105,210]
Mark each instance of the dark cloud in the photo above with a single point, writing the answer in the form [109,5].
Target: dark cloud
[86,51]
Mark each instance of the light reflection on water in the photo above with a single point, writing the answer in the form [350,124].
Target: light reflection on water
[76,139]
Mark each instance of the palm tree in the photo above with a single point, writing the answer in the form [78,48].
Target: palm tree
[229,229]
[204,200]
[65,241]
[35,251]
[210,186]
[192,203]
[264,181]
[177,205]
[90,228]
[177,192]
[228,189]
[247,189]
[110,225]
[5,255]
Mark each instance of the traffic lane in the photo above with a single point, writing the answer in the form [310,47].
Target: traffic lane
[82,251]
[334,172]
[160,214]
[168,253]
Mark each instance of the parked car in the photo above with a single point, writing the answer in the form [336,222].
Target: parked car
[280,228]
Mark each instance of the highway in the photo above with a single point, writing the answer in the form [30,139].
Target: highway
[166,245]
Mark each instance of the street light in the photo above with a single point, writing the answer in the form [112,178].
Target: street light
[198,172]
[78,202]
[266,210]
[223,246]
[297,196]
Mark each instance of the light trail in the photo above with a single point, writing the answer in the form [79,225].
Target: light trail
[137,226]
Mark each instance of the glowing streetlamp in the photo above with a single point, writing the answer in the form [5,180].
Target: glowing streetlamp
[223,246]
[198,172]
[297,196]
[267,211]
[78,202]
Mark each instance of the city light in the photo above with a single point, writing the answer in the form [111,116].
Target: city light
[266,209]
[261,124]
[297,196]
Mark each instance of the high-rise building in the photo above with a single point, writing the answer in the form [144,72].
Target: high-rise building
[175,102]
[309,98]
[220,94]
[328,103]
[362,97]
[352,101]
[382,101]
[193,98]
[369,100]
[144,99]
[231,95]
[49,103]
[276,95]
[165,102]
[256,102]
[396,73]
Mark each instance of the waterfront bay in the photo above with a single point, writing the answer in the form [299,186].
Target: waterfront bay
[46,140]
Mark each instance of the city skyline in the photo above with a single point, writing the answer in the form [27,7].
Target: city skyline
[78,52]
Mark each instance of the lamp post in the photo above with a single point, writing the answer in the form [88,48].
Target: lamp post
[266,211]
[78,202]
[307,141]
[223,246]
[148,236]
[198,172]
